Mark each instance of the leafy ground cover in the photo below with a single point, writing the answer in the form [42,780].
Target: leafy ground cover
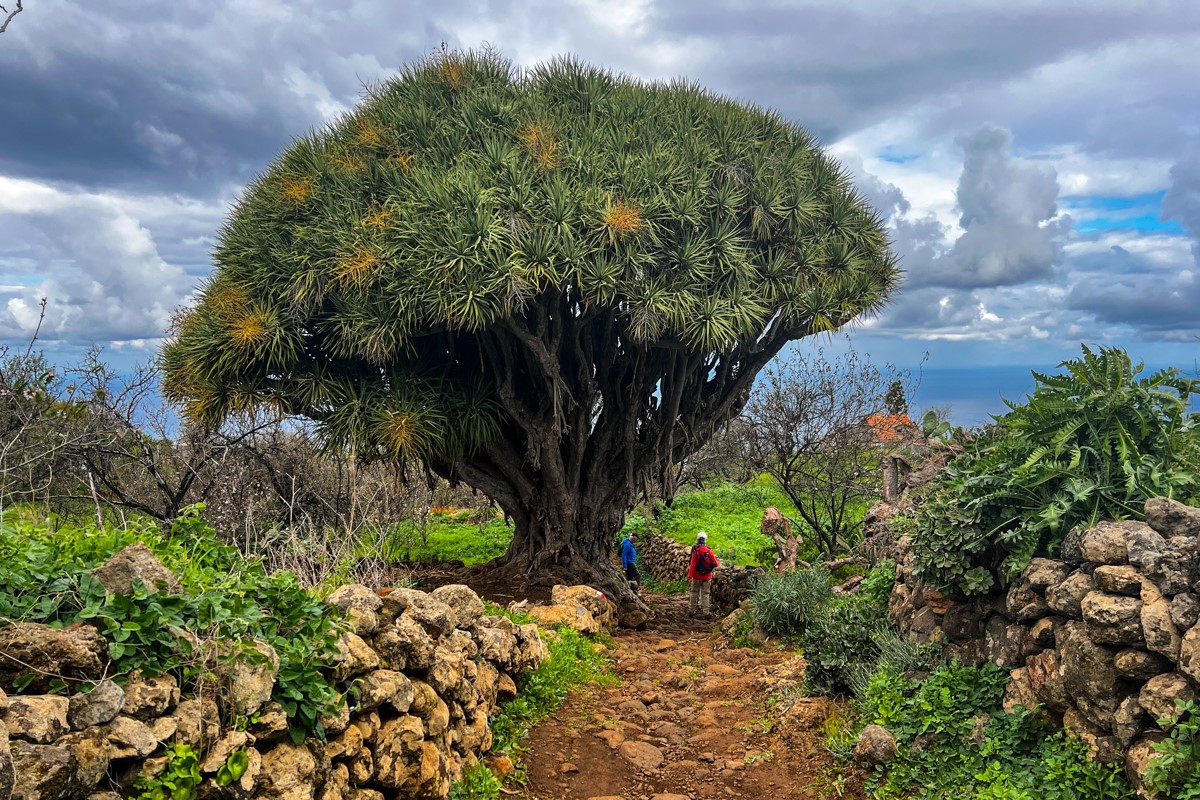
[443,535]
[955,740]
[45,578]
[731,515]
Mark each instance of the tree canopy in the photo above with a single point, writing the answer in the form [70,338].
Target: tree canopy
[546,282]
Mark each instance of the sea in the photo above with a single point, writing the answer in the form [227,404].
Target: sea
[973,395]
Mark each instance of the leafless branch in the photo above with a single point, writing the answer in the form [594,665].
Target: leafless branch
[17,9]
[42,305]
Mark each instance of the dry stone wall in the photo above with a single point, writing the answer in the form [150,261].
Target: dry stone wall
[427,671]
[667,560]
[1105,638]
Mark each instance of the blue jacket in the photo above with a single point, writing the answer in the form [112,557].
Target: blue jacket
[628,553]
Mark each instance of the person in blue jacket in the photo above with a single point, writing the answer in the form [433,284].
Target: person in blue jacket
[629,560]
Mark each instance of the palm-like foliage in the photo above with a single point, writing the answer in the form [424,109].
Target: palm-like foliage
[479,259]
[1092,443]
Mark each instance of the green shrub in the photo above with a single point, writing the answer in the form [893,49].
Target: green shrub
[45,577]
[477,783]
[970,747]
[838,646]
[784,605]
[1175,769]
[179,780]
[1091,443]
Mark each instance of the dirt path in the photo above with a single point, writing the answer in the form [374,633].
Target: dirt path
[689,720]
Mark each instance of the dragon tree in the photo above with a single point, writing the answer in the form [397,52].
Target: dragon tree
[551,285]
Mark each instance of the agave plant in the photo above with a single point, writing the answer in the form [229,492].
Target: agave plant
[550,284]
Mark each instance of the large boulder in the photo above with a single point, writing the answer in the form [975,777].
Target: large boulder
[1172,518]
[43,772]
[1065,597]
[96,707]
[36,718]
[1112,619]
[1160,694]
[466,604]
[247,678]
[36,654]
[135,563]
[360,604]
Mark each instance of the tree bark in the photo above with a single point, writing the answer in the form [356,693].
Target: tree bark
[591,416]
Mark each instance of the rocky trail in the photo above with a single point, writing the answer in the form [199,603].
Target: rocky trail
[689,720]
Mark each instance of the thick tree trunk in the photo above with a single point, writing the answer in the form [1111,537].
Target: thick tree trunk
[592,416]
[563,539]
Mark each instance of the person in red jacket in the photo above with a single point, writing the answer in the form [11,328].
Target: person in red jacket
[700,572]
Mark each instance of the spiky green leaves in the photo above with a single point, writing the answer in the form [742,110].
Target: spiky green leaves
[462,192]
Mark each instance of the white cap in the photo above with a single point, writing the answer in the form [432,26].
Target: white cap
[701,537]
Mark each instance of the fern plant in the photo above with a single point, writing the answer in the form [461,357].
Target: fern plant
[1093,442]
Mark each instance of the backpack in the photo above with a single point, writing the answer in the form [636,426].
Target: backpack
[705,563]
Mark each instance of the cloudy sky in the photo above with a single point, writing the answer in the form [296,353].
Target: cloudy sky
[1039,162]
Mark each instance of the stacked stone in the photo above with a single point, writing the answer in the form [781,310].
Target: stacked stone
[667,560]
[423,672]
[1107,637]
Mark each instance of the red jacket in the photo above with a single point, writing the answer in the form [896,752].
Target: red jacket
[696,576]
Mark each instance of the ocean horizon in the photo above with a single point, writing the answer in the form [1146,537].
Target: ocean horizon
[974,395]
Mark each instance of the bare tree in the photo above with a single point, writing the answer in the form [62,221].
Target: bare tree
[820,427]
[8,15]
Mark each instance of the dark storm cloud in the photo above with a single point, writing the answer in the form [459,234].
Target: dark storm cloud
[837,67]
[1008,208]
[129,125]
[198,94]
[1159,304]
[1182,201]
[184,95]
